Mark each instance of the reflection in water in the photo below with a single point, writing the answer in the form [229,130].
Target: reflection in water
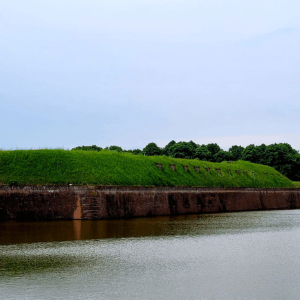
[248,255]
[208,224]
[18,263]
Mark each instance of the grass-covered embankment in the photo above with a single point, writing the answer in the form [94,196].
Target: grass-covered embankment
[38,167]
[296,184]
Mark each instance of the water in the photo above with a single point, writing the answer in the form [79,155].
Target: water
[247,255]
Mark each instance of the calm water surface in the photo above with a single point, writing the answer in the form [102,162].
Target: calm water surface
[247,255]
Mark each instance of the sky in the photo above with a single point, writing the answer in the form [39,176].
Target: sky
[127,73]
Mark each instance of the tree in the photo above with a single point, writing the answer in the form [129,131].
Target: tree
[236,152]
[137,152]
[295,168]
[223,156]
[152,149]
[252,153]
[182,150]
[202,153]
[193,145]
[213,148]
[88,148]
[283,158]
[166,149]
[115,148]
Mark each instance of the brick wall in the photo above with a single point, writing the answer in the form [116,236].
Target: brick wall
[72,202]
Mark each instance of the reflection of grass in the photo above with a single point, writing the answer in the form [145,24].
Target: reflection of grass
[125,169]
[22,264]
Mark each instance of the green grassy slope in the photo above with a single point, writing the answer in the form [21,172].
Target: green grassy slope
[296,184]
[39,167]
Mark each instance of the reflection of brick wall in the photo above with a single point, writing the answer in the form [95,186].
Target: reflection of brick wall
[50,203]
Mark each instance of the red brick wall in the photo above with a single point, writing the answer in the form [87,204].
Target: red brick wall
[50,203]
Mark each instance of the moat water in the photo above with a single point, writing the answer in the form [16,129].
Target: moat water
[246,255]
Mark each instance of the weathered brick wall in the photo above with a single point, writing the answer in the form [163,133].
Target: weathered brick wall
[51,203]
[33,203]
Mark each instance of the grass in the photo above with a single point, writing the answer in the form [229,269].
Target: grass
[296,184]
[59,167]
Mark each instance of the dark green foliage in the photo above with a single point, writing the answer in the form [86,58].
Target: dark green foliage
[252,153]
[223,156]
[282,157]
[166,150]
[202,153]
[88,148]
[152,149]
[115,148]
[137,152]
[236,152]
[182,150]
[213,148]
[193,145]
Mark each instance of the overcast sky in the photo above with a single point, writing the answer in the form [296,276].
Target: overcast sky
[130,72]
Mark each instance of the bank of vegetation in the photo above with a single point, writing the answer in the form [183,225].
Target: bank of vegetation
[106,167]
[282,157]
[296,184]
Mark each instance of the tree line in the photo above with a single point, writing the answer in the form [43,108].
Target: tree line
[281,156]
